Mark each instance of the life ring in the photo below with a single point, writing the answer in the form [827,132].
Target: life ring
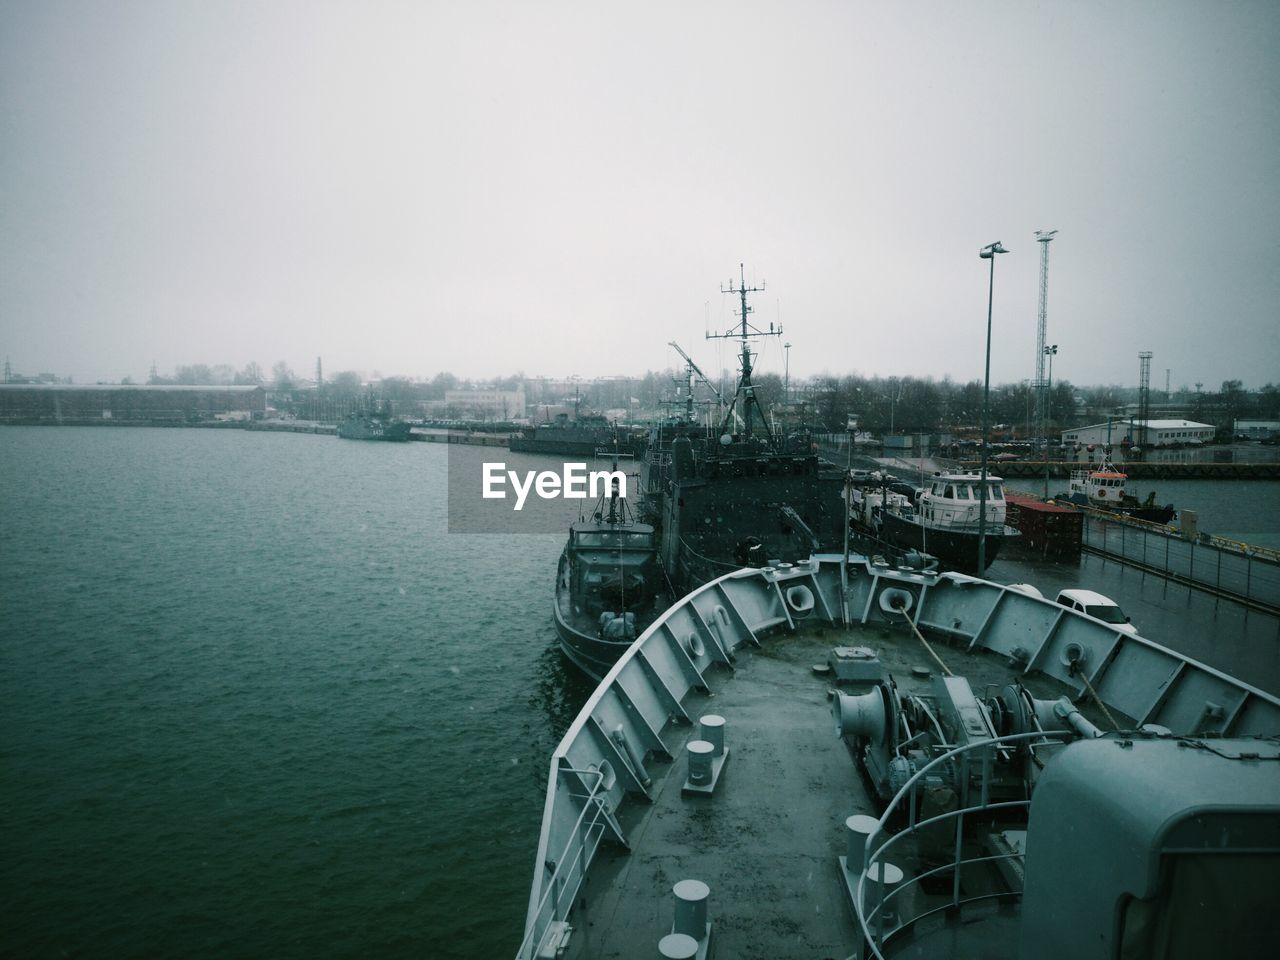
[1102,493]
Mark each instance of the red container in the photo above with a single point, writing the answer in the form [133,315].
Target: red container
[1050,529]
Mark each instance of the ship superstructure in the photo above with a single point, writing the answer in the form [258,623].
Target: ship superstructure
[741,493]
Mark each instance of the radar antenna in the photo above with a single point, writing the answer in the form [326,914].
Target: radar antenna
[745,392]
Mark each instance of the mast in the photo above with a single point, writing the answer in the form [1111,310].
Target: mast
[745,391]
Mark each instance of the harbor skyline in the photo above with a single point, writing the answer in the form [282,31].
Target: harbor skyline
[424,187]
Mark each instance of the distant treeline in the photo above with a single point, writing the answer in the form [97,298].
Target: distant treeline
[880,404]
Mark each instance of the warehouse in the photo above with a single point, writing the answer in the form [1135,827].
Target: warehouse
[1146,433]
[1256,429]
[40,403]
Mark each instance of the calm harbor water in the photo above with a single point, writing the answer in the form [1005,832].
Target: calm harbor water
[256,700]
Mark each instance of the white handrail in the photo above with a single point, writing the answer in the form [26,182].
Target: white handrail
[875,853]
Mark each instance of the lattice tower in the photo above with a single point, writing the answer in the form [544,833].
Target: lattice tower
[1043,237]
[1144,392]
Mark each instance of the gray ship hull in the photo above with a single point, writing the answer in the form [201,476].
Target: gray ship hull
[365,428]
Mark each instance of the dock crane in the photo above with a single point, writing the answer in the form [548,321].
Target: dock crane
[694,368]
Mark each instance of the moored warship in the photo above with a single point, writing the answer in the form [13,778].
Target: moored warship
[743,493]
[377,424]
[582,436]
[840,758]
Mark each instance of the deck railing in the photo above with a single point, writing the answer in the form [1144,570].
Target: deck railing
[872,916]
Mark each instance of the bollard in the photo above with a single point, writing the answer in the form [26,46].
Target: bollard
[859,828]
[677,946]
[700,762]
[892,880]
[691,908]
[711,729]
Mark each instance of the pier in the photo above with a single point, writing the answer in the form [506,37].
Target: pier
[471,439]
[1247,574]
[1136,469]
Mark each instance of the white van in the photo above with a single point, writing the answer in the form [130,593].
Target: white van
[1096,605]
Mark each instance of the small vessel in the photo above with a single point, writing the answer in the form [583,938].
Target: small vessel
[942,520]
[1103,488]
[581,436]
[841,758]
[376,425]
[609,585]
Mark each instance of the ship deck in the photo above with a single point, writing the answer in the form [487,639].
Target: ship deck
[767,842]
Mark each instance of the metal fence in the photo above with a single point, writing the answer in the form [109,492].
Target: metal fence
[1226,567]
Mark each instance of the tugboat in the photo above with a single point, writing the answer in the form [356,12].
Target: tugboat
[609,586]
[377,425]
[1102,487]
[943,520]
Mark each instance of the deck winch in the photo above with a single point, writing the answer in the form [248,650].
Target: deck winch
[894,734]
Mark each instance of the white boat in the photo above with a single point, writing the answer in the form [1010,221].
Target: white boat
[944,520]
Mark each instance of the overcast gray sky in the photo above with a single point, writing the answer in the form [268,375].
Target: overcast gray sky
[562,187]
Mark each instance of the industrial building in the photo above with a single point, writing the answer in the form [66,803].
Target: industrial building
[40,403]
[1256,429]
[486,404]
[1144,433]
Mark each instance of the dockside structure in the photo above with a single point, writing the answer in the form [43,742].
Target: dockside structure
[61,403]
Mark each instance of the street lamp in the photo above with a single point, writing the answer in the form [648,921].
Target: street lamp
[1050,351]
[986,253]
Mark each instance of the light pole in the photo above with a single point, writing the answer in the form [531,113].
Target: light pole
[986,253]
[1026,386]
[1050,351]
[893,396]
[787,388]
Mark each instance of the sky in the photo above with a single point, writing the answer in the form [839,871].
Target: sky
[562,188]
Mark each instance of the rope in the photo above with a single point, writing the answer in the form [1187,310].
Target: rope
[920,637]
[719,563]
[1093,693]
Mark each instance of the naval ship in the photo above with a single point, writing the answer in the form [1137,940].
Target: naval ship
[582,436]
[843,758]
[743,493]
[376,424]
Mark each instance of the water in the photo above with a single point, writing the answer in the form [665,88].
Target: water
[256,700]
